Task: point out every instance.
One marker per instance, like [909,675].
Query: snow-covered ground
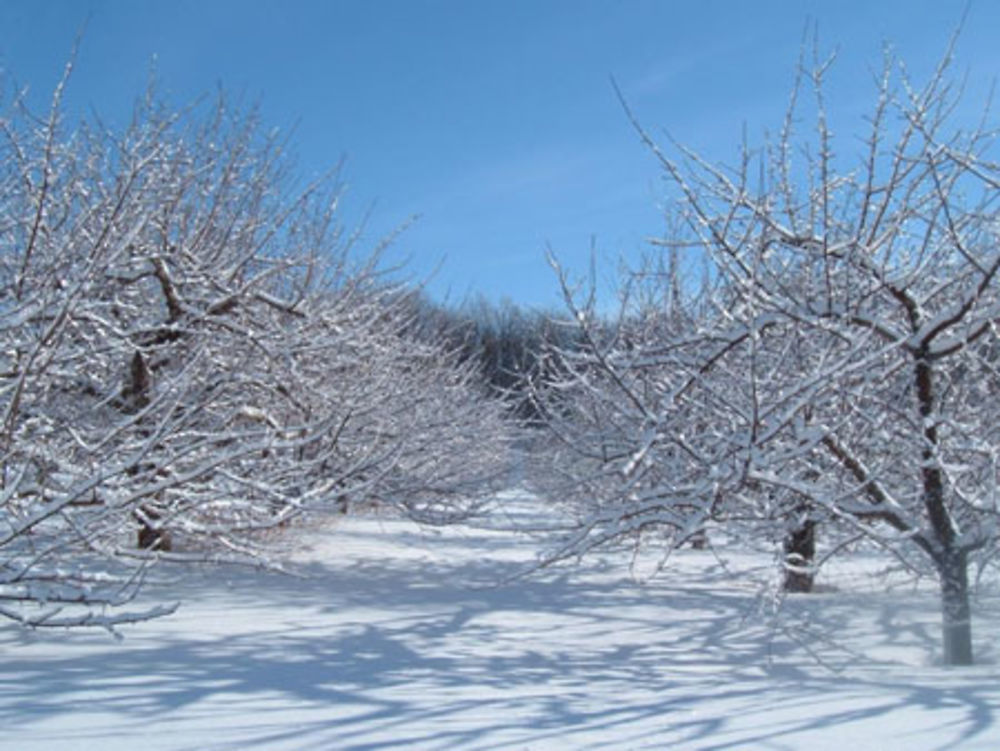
[400,638]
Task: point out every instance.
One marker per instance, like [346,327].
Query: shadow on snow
[390,654]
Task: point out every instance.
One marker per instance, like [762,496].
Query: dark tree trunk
[150,537]
[699,540]
[800,552]
[956,614]
[136,397]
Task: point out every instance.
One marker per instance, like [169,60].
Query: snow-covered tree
[843,367]
[636,453]
[192,351]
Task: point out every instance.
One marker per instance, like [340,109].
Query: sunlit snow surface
[403,638]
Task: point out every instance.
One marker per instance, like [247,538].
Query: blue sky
[495,122]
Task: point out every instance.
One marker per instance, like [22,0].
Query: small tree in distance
[841,367]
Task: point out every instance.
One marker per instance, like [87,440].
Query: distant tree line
[509,345]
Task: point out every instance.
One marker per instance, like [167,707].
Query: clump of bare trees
[192,351]
[836,364]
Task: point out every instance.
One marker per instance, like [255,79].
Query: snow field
[395,637]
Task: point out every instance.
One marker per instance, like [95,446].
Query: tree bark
[800,552]
[151,538]
[136,396]
[956,614]
[952,563]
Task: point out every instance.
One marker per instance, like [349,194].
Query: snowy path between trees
[399,639]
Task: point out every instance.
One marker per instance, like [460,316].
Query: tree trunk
[800,552]
[152,538]
[956,614]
